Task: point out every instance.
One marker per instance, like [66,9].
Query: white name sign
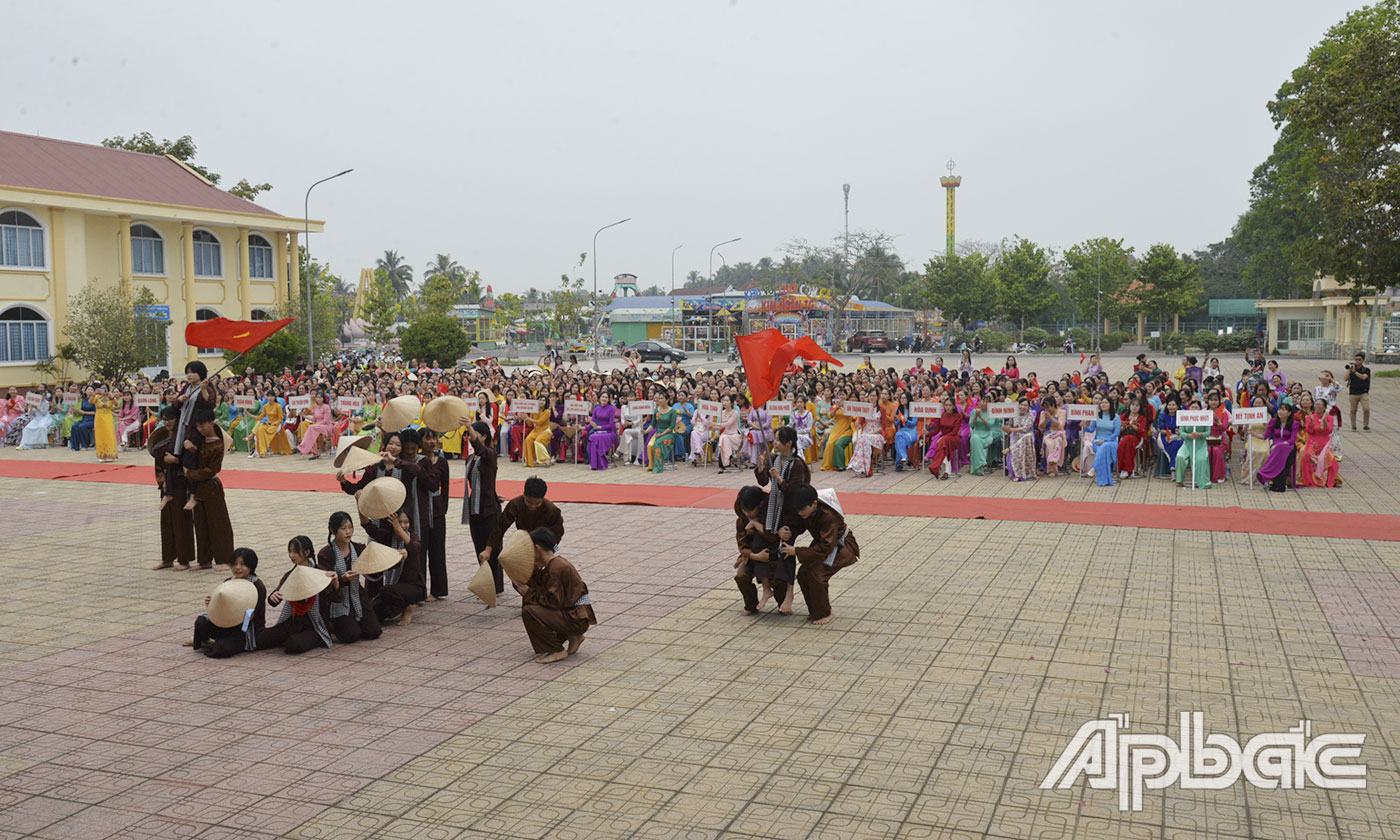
[578,408]
[145,400]
[33,398]
[1243,416]
[643,408]
[710,409]
[348,404]
[1002,410]
[1076,411]
[244,400]
[926,410]
[863,410]
[779,408]
[524,406]
[1193,418]
[299,401]
[71,399]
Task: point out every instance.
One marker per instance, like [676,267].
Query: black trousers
[347,630]
[1279,483]
[437,556]
[393,597]
[481,528]
[292,636]
[227,640]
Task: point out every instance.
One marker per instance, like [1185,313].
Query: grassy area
[1390,374]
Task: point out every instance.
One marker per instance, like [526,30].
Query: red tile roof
[43,163]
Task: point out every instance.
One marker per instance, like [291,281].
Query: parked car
[658,351]
[869,341]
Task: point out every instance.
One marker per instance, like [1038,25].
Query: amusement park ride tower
[950,183]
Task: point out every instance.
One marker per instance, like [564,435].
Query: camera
[1348,367]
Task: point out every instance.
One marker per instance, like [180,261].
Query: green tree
[400,273]
[1221,265]
[509,306]
[182,149]
[108,336]
[381,308]
[1339,121]
[571,306]
[1023,274]
[434,337]
[283,349]
[1101,264]
[1168,286]
[965,288]
[849,268]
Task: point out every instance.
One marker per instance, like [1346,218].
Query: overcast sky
[506,133]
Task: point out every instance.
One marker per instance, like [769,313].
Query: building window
[208,255]
[147,250]
[261,314]
[1306,330]
[205,314]
[24,335]
[259,258]
[21,240]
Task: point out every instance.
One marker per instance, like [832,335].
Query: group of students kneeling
[347,591]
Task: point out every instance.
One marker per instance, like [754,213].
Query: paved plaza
[964,656]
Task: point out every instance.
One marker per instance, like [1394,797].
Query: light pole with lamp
[306,273]
[680,321]
[597,312]
[709,332]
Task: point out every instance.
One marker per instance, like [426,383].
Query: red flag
[766,356]
[1082,357]
[238,336]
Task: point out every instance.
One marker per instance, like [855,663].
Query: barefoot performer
[833,548]
[555,606]
[526,512]
[749,507]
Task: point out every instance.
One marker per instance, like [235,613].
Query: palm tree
[465,285]
[399,273]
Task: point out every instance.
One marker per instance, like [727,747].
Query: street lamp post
[673,267]
[306,273]
[1098,297]
[680,322]
[597,313]
[709,331]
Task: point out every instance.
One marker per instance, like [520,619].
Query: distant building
[72,212]
[1329,323]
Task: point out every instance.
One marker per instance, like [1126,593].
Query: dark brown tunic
[176,523]
[212,529]
[829,534]
[518,514]
[550,607]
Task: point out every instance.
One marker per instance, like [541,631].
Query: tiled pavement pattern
[964,656]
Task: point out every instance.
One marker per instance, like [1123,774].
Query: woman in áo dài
[1193,454]
[266,428]
[1052,433]
[664,442]
[906,432]
[1134,431]
[1219,434]
[104,428]
[1317,465]
[318,428]
[947,444]
[842,427]
[1282,434]
[1022,455]
[1103,431]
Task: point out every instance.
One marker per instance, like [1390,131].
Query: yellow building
[1328,323]
[72,212]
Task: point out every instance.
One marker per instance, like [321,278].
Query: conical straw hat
[445,414]
[230,601]
[355,459]
[518,557]
[349,442]
[376,558]
[157,438]
[382,497]
[228,440]
[483,585]
[400,413]
[304,582]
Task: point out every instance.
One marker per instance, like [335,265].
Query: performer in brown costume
[555,605]
[176,524]
[833,548]
[212,530]
[526,512]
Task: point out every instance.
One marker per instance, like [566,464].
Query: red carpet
[1356,526]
